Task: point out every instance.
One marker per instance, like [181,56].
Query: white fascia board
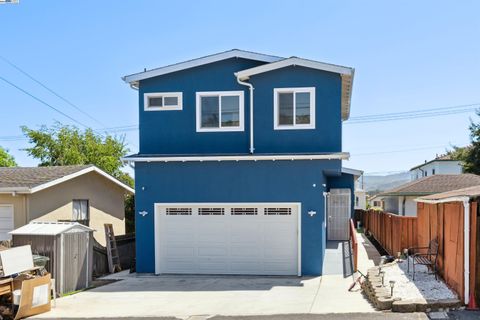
[133,78]
[245,74]
[79,173]
[20,190]
[354,172]
[330,156]
[450,199]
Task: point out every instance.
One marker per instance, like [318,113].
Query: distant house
[360,195]
[400,200]
[64,193]
[440,165]
[375,202]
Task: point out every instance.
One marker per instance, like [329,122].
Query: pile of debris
[25,285]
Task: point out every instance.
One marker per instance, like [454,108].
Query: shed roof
[470,192]
[50,228]
[434,184]
[33,179]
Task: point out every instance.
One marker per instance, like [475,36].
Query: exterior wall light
[312,213]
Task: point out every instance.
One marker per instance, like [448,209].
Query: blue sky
[408,55]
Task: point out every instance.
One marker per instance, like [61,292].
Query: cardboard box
[35,296]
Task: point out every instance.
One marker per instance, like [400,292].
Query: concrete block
[404,306]
[384,303]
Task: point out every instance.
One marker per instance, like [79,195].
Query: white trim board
[329,156]
[294,91]
[66,178]
[235,53]
[294,61]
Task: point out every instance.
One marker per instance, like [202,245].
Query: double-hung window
[294,108]
[220,111]
[162,101]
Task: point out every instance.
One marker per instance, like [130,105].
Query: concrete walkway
[186,296]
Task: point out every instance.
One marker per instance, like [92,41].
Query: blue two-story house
[239,152]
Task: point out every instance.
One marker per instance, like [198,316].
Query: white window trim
[311,125]
[178,95]
[220,94]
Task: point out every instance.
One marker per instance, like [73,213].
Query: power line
[51,90]
[43,102]
[396,151]
[414,114]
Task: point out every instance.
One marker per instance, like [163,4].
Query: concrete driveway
[185,296]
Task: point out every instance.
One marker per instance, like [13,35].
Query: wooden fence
[445,223]
[393,232]
[126,252]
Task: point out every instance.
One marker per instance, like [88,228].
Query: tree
[66,145]
[63,145]
[6,159]
[470,155]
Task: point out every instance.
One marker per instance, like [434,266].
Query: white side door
[6,221]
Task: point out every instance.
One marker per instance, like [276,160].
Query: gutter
[250,87]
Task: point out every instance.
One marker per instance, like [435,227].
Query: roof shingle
[30,177]
[434,184]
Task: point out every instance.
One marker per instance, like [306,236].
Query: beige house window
[81,211]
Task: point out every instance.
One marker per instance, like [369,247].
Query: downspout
[466,248]
[250,86]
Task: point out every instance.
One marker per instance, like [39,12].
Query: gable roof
[345,72]
[434,184]
[234,53]
[445,157]
[272,63]
[33,179]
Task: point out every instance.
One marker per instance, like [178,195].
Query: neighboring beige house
[401,200]
[64,193]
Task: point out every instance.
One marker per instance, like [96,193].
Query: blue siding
[327,135]
[261,181]
[174,132]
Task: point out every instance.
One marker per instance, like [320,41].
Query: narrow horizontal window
[294,108]
[220,111]
[278,211]
[163,101]
[211,211]
[244,211]
[178,211]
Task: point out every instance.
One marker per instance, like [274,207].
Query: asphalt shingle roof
[30,177]
[470,192]
[435,184]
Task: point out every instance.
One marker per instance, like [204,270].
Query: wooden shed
[69,245]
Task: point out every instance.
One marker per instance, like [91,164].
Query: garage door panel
[242,240]
[6,221]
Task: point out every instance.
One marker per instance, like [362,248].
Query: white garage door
[228,238]
[6,221]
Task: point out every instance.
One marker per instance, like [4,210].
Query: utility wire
[51,90]
[414,114]
[43,102]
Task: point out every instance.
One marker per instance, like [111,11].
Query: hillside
[375,183]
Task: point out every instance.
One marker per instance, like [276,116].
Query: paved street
[333,316]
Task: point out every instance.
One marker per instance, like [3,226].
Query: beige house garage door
[227,238]
[6,221]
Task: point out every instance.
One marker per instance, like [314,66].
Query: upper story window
[294,108]
[162,101]
[220,111]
